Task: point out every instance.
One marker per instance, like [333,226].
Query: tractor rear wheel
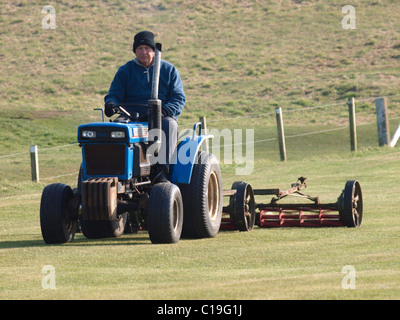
[202,199]
[56,219]
[165,213]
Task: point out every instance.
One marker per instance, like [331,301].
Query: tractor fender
[185,158]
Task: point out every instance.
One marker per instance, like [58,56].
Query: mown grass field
[239,60]
[285,263]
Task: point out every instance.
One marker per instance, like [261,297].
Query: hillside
[235,58]
[239,60]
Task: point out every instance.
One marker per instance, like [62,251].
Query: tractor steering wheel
[136,116]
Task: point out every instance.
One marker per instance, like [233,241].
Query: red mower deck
[243,212]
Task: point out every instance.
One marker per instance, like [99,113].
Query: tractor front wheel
[56,219]
[165,213]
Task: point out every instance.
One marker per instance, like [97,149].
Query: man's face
[145,55]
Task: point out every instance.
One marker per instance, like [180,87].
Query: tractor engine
[114,149]
[114,164]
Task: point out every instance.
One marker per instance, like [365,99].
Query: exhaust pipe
[154,104]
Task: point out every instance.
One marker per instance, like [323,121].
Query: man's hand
[164,112]
[110,109]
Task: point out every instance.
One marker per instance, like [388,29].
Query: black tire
[165,213]
[97,229]
[56,223]
[352,211]
[243,204]
[202,199]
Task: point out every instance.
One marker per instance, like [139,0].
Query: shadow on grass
[21,244]
[80,240]
[126,239]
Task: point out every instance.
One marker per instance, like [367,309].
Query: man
[132,86]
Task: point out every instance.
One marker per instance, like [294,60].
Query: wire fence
[55,162]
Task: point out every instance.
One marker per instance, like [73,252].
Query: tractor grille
[105,159]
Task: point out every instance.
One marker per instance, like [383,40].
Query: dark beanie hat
[144,38]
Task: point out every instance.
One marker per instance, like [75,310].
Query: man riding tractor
[132,85]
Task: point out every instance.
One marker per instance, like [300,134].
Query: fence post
[382,119]
[34,163]
[352,120]
[281,133]
[204,131]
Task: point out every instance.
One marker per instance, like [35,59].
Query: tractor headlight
[117,134]
[88,134]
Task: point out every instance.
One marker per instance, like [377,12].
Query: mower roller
[243,212]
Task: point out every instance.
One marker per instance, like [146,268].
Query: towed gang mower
[243,212]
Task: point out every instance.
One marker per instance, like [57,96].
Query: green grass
[238,61]
[286,263]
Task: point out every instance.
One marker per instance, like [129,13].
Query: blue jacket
[132,84]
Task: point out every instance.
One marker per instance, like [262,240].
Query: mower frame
[346,211]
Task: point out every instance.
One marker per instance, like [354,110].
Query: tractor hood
[113,132]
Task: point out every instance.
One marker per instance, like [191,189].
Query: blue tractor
[119,190]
